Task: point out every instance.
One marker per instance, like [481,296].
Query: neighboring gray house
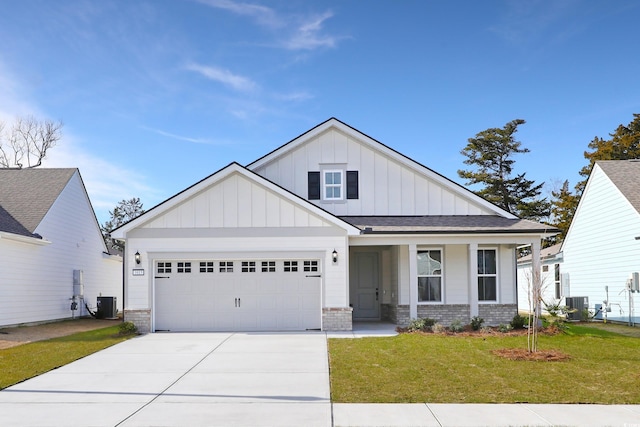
[330,228]
[48,229]
[601,249]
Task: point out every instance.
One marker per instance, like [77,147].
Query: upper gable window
[333,185]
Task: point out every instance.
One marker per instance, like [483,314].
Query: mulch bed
[538,356]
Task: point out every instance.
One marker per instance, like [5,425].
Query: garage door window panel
[206,267]
[164,267]
[226,266]
[184,267]
[268,266]
[248,267]
[290,266]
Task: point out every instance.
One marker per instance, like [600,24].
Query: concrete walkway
[246,379]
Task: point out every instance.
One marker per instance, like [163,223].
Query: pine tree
[563,207]
[125,211]
[623,145]
[491,152]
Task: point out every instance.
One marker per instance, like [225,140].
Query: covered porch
[396,276]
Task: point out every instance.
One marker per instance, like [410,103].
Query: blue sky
[156,95]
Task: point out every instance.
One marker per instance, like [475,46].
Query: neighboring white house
[330,228]
[48,229]
[550,278]
[601,250]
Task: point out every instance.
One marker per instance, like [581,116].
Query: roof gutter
[24,239]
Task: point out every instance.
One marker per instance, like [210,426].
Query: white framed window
[429,275]
[268,266]
[556,281]
[290,266]
[487,275]
[184,267]
[206,267]
[164,267]
[226,266]
[248,267]
[310,266]
[333,184]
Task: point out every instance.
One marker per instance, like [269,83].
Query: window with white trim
[429,275]
[556,281]
[164,267]
[332,184]
[268,266]
[310,266]
[290,266]
[206,267]
[184,267]
[226,267]
[487,275]
[248,266]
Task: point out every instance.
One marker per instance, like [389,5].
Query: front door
[365,288]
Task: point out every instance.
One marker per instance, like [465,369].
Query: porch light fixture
[137,255]
[334,256]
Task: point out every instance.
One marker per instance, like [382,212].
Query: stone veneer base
[337,319]
[140,318]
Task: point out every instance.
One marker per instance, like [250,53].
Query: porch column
[536,282]
[413,281]
[473,279]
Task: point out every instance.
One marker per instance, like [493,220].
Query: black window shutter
[352,184]
[313,182]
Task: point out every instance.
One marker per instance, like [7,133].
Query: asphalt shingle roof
[446,224]
[26,195]
[625,174]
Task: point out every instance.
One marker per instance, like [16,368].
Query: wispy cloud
[308,35]
[223,76]
[263,15]
[184,138]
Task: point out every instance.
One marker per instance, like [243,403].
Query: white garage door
[237,295]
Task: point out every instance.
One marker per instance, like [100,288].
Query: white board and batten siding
[600,248]
[388,185]
[37,280]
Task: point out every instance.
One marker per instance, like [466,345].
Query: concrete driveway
[199,379]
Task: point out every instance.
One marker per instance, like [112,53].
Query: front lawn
[28,360]
[604,368]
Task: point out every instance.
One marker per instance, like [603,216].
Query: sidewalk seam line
[434,415]
[174,382]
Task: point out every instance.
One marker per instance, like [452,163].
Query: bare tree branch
[26,143]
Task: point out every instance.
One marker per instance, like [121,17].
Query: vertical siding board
[216,206]
[258,206]
[381,180]
[394,173]
[230,203]
[273,210]
[244,200]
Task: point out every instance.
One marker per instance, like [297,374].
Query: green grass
[604,368]
[29,360]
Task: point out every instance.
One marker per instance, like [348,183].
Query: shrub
[518,322]
[456,326]
[422,324]
[504,328]
[476,323]
[438,328]
[127,328]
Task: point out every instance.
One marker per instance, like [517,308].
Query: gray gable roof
[446,224]
[625,174]
[26,195]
